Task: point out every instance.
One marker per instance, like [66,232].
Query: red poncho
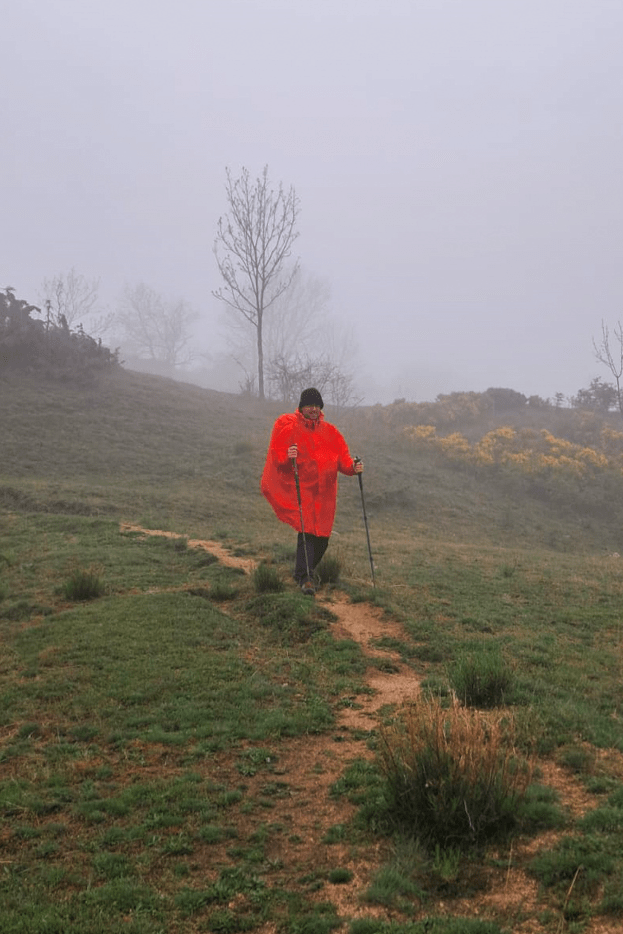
[322,452]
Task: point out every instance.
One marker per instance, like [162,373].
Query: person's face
[311,411]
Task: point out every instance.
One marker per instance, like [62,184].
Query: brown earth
[312,764]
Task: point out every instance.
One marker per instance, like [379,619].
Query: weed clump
[221,591]
[83,585]
[450,774]
[266,579]
[482,680]
[329,569]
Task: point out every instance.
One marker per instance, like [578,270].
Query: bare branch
[156,329]
[74,299]
[612,358]
[251,247]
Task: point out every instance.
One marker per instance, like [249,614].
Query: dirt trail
[357,621]
[310,765]
[215,548]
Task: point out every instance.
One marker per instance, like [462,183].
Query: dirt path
[310,765]
[357,621]
[215,548]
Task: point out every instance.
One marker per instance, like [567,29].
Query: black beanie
[310,397]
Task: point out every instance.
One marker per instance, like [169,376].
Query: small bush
[221,592]
[266,579]
[329,569]
[482,680]
[83,585]
[541,810]
[577,759]
[451,778]
[390,887]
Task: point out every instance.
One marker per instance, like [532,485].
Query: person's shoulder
[288,418]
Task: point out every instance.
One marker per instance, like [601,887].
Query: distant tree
[47,348]
[506,400]
[299,319]
[600,397]
[612,357]
[289,375]
[73,298]
[537,402]
[252,244]
[156,329]
[301,346]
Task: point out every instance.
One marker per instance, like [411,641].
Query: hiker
[304,444]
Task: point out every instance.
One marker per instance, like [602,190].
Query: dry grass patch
[452,774]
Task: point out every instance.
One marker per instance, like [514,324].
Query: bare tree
[290,330]
[305,346]
[252,245]
[302,346]
[72,299]
[300,318]
[288,376]
[612,358]
[156,329]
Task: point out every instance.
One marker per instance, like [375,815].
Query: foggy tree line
[277,320]
[277,317]
[42,343]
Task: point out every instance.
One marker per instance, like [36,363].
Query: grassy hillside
[173,754]
[156,450]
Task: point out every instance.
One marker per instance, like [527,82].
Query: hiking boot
[307,587]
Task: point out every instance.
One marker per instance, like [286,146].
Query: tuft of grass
[83,585]
[578,863]
[577,759]
[221,591]
[266,579]
[394,889]
[481,680]
[540,809]
[329,569]
[451,775]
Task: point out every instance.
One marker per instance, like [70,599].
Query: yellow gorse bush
[530,451]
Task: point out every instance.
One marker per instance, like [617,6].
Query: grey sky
[458,164]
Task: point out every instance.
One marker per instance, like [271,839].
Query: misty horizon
[458,169]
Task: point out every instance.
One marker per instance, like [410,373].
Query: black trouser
[316,547]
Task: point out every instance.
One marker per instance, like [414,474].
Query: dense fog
[457,165]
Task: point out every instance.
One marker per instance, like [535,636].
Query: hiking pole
[298,496]
[365,522]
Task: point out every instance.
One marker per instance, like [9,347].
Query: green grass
[149,695]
